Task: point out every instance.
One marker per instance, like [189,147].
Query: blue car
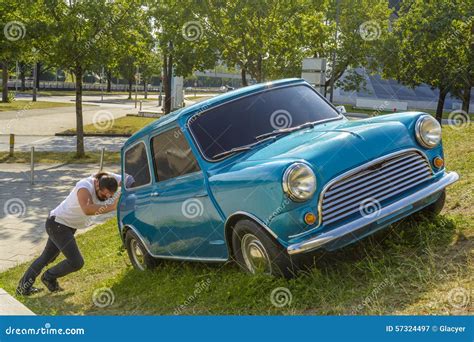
[270,172]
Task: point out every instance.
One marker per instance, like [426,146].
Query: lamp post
[35,75]
[137,78]
[333,63]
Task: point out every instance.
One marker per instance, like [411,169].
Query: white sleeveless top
[70,213]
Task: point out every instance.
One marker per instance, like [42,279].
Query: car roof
[208,104]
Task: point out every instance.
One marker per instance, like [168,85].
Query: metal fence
[53,85]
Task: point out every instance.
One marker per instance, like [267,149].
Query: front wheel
[435,208]
[258,253]
[139,256]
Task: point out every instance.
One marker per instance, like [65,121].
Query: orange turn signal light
[309,218]
[438,162]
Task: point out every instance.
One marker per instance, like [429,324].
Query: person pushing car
[94,195]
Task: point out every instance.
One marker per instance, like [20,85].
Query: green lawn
[198,98]
[122,125]
[412,267]
[60,157]
[27,105]
[73,92]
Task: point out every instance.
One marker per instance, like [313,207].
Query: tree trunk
[259,69]
[243,74]
[439,109]
[38,74]
[109,81]
[168,66]
[35,78]
[4,81]
[130,82]
[466,98]
[79,124]
[22,76]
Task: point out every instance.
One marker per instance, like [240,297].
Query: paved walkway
[24,207]
[49,121]
[53,120]
[61,144]
[10,306]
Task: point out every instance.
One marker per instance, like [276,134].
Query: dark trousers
[61,240]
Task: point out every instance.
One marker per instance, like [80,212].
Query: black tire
[435,208]
[133,244]
[278,263]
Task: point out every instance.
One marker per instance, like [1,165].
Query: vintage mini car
[267,172]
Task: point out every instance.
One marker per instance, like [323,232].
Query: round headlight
[428,131]
[299,182]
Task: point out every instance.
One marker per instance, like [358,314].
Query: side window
[172,155]
[136,166]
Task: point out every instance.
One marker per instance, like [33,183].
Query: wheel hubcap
[137,254]
[255,255]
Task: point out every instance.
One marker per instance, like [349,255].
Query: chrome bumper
[351,227]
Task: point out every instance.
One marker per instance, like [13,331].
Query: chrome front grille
[373,183]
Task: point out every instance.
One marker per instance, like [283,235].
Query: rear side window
[136,166]
[172,155]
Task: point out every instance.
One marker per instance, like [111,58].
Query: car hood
[335,147]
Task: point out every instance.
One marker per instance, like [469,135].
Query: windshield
[240,122]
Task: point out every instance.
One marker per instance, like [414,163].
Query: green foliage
[354,31]
[431,42]
[178,30]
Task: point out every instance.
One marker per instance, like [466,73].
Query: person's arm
[89,208]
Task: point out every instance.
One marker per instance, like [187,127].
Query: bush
[11,96]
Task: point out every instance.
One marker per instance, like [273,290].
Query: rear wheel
[139,256]
[258,253]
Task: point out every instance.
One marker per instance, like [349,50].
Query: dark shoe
[28,291]
[51,283]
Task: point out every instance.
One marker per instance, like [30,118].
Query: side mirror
[341,109]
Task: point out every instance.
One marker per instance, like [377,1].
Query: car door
[135,204]
[187,224]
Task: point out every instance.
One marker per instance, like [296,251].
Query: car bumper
[385,216]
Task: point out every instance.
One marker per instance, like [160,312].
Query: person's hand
[116,200]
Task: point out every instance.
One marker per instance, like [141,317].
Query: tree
[423,48]
[354,30]
[76,35]
[12,40]
[135,49]
[184,45]
[149,67]
[463,40]
[263,38]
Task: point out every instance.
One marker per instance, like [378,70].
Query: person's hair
[106,181]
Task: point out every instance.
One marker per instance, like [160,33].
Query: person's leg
[49,254]
[63,238]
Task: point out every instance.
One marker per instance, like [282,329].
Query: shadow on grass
[383,274]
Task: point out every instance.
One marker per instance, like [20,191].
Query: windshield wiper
[285,130]
[240,148]
[233,150]
[262,137]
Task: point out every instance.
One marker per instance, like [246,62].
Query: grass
[198,98]
[354,109]
[73,92]
[412,267]
[27,105]
[93,92]
[122,125]
[60,157]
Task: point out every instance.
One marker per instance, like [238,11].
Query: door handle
[201,195]
[155,194]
